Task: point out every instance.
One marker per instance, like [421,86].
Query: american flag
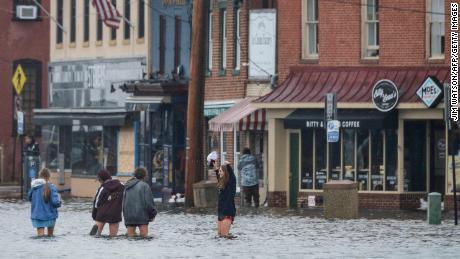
[107,13]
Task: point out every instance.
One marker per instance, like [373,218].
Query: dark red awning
[351,84]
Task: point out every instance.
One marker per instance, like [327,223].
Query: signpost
[332,125]
[452,153]
[19,79]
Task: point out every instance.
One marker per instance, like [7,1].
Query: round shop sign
[385,95]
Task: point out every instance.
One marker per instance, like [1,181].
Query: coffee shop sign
[385,95]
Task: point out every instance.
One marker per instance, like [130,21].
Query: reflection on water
[264,233]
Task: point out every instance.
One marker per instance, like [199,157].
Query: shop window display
[307,160]
[320,158]
[362,155]
[349,154]
[377,166]
[50,141]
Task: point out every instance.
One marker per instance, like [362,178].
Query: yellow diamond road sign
[19,79]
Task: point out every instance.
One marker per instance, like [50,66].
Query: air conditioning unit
[26,12]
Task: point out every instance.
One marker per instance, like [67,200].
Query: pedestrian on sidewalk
[32,154]
[226,184]
[249,179]
[138,204]
[107,203]
[45,201]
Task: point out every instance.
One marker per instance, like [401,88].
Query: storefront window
[65,145]
[50,142]
[362,154]
[349,154]
[307,160]
[391,159]
[334,156]
[415,156]
[93,149]
[378,170]
[320,158]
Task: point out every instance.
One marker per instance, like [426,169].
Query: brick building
[379,58]
[26,43]
[229,87]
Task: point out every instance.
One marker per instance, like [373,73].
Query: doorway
[437,157]
[294,153]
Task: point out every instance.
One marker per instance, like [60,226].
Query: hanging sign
[385,95]
[430,92]
[20,121]
[333,127]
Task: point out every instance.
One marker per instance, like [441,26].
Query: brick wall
[277,199]
[19,40]
[402,34]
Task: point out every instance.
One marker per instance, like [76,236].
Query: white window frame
[306,54]
[365,30]
[238,40]
[429,22]
[210,41]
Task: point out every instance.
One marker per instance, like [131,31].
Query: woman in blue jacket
[226,204]
[45,201]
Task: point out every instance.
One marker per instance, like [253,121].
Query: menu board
[377,182]
[363,179]
[320,179]
[392,183]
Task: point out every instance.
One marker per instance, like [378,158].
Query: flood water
[262,234]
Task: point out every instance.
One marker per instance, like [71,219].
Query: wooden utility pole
[194,162]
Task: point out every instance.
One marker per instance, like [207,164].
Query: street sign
[333,127]
[19,79]
[330,109]
[20,123]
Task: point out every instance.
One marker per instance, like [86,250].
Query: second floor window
[210,40]
[127,13]
[223,38]
[113,31]
[99,29]
[73,19]
[141,20]
[436,19]
[59,17]
[237,39]
[371,29]
[86,22]
[310,29]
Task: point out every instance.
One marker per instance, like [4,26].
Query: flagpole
[50,16]
[126,20]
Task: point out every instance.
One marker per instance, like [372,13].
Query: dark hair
[104,175]
[222,181]
[45,174]
[140,173]
[246,151]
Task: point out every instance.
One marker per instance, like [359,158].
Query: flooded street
[176,234]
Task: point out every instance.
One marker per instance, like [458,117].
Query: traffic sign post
[332,125]
[20,128]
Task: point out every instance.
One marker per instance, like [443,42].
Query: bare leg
[100,227]
[50,232]
[144,230]
[225,227]
[113,229]
[131,231]
[219,228]
[40,232]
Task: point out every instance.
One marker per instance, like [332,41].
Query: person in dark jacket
[138,205]
[226,203]
[45,201]
[107,203]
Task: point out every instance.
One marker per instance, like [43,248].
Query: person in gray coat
[138,205]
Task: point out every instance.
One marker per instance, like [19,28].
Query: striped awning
[241,116]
